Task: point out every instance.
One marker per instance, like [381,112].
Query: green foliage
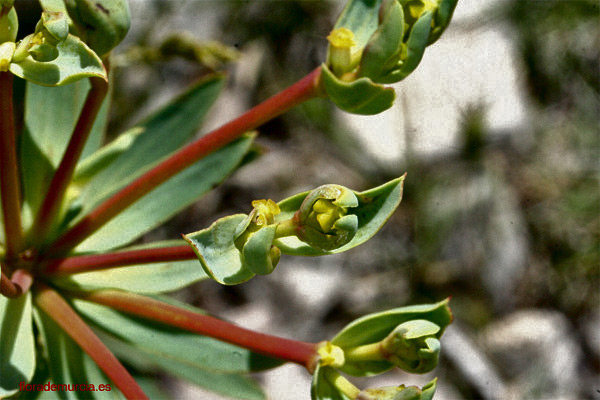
[406,337]
[379,42]
[74,60]
[72,42]
[17,344]
[293,229]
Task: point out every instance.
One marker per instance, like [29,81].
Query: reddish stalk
[93,262]
[10,187]
[71,323]
[60,181]
[301,91]
[8,287]
[23,279]
[302,353]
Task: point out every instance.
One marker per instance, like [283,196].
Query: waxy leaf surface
[17,349]
[75,61]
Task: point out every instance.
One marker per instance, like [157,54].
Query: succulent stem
[93,262]
[10,187]
[50,208]
[302,353]
[71,323]
[301,91]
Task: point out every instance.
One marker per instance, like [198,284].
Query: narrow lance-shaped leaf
[49,123]
[69,365]
[17,347]
[204,361]
[144,278]
[162,341]
[169,198]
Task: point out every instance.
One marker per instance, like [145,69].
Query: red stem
[302,353]
[8,288]
[10,187]
[93,262]
[298,93]
[58,186]
[61,312]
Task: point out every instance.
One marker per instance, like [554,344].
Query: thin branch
[10,186]
[93,262]
[301,91]
[23,279]
[51,205]
[302,353]
[71,323]
[8,288]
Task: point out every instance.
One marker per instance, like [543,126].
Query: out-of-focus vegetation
[503,225]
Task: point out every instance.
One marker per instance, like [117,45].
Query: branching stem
[301,91]
[93,262]
[71,323]
[302,353]
[51,205]
[10,187]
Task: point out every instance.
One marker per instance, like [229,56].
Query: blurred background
[498,130]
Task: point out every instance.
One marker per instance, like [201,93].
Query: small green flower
[322,219]
[413,346]
[376,43]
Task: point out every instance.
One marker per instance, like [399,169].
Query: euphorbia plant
[71,209]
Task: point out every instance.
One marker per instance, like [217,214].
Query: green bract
[406,337]
[102,25]
[327,220]
[9,24]
[379,42]
[405,331]
[74,61]
[399,392]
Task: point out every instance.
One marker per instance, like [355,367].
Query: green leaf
[375,327]
[382,51]
[147,143]
[169,198]
[102,158]
[217,253]
[145,278]
[442,19]
[375,207]
[142,148]
[165,342]
[362,18]
[103,25]
[50,117]
[230,385]
[361,96]
[75,61]
[55,18]
[69,365]
[17,347]
[415,48]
